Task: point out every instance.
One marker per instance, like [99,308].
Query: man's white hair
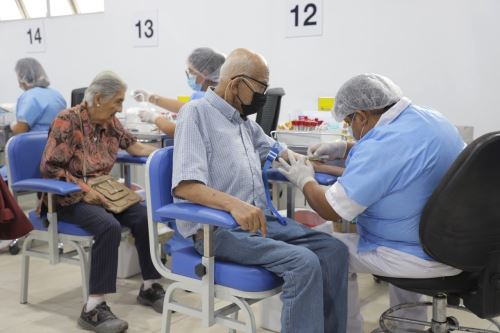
[106,83]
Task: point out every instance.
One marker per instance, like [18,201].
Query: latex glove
[149,116]
[141,95]
[299,172]
[328,150]
[12,125]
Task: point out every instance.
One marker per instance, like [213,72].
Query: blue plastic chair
[24,153]
[238,285]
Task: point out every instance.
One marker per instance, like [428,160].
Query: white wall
[444,54]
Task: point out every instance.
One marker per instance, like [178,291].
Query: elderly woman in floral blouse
[92,125]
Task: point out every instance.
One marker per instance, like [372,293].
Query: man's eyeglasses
[265,85]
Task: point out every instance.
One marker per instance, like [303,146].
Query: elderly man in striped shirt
[217,163]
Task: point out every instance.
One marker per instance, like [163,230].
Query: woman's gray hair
[107,84]
[31,73]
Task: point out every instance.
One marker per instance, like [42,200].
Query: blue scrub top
[38,107]
[393,171]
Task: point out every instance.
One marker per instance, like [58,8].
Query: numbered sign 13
[145,29]
[304,18]
[34,36]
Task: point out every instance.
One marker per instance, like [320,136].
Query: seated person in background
[92,125]
[217,163]
[39,104]
[402,153]
[202,72]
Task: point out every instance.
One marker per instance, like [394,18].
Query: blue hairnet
[31,73]
[207,61]
[365,92]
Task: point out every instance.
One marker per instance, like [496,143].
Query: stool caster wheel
[14,249]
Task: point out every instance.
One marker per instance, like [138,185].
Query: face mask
[256,105]
[351,133]
[349,129]
[191,81]
[258,99]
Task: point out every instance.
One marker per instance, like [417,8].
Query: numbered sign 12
[304,18]
[145,29]
[34,36]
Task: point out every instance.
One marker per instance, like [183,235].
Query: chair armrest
[124,157]
[321,178]
[197,214]
[46,185]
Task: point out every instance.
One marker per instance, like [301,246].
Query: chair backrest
[77,96]
[159,168]
[460,224]
[24,154]
[268,117]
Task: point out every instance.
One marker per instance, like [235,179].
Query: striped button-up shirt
[215,146]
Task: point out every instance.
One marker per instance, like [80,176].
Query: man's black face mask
[258,99]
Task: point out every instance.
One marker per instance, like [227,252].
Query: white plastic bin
[304,139]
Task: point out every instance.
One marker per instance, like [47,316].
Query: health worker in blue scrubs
[38,105]
[203,66]
[401,154]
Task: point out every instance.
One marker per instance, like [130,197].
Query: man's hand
[249,217]
[331,150]
[92,197]
[149,116]
[299,172]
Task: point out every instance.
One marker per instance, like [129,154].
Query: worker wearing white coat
[401,154]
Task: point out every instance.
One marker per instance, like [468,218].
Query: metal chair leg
[235,317]
[84,268]
[166,319]
[25,270]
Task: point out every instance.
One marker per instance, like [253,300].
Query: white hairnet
[365,92]
[31,73]
[207,61]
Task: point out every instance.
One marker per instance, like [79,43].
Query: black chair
[267,118]
[77,96]
[460,226]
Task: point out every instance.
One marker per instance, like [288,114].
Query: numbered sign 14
[304,18]
[145,29]
[34,36]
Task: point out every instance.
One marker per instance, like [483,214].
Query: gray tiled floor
[55,301]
